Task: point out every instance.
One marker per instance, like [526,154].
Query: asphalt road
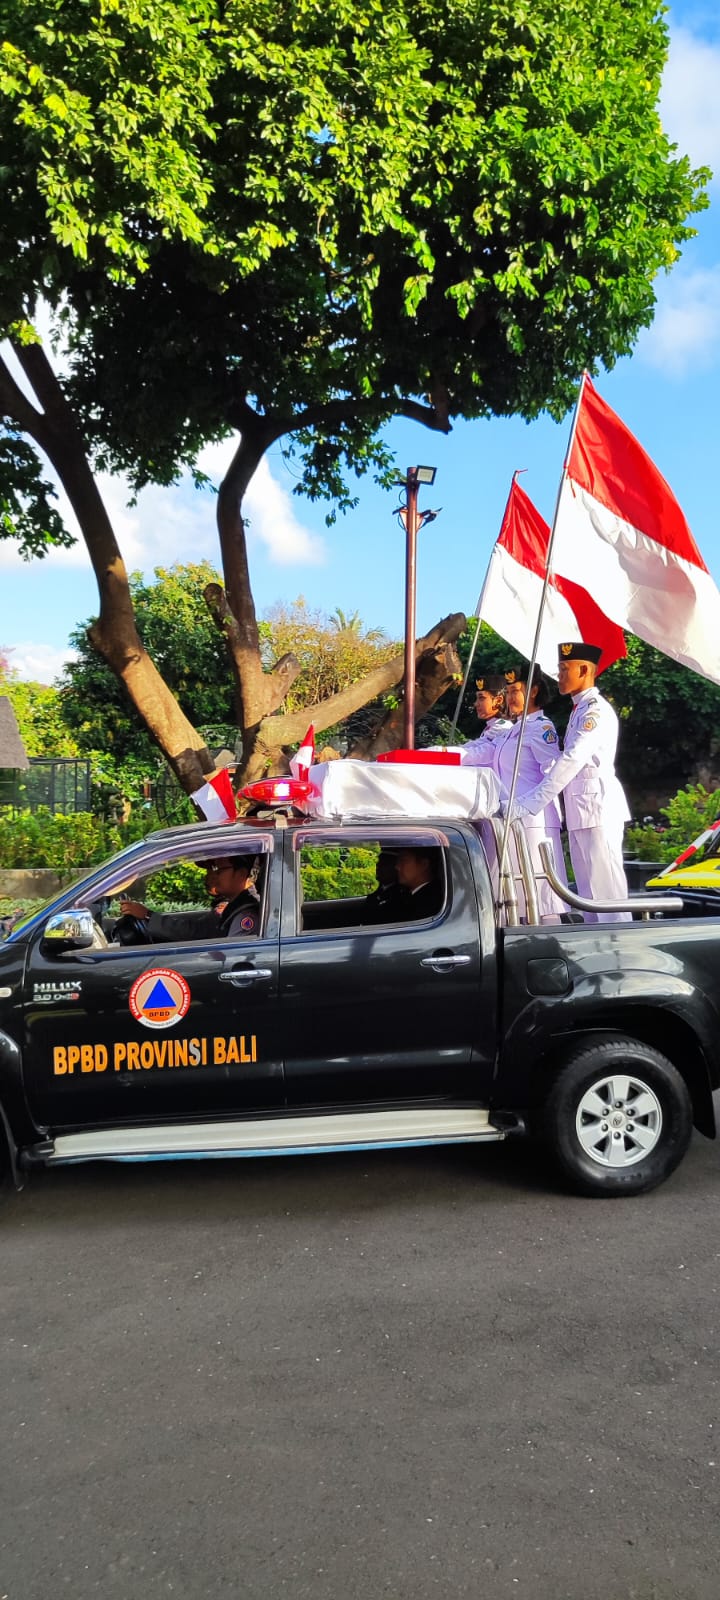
[408,1374]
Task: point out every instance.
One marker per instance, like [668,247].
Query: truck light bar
[281,792]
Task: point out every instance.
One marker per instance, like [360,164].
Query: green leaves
[327,210]
[27,510]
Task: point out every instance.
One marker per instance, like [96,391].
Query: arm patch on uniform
[589,724]
[247,924]
[550,736]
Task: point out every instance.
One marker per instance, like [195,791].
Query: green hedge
[342,873]
[45,838]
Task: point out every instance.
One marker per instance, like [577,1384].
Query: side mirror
[68,930]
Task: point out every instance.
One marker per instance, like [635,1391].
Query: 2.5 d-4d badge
[159,998]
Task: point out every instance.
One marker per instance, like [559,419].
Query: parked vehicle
[695,873]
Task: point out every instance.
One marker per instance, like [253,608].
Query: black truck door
[154,1032]
[385,1013]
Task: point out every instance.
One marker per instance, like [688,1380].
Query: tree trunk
[114,635]
[436,671]
[257,693]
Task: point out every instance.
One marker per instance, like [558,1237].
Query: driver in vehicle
[228,880]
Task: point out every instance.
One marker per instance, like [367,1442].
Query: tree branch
[427,415]
[16,405]
[44,380]
[333,413]
[275,731]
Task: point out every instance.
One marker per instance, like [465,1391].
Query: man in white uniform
[595,806]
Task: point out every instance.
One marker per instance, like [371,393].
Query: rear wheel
[618,1117]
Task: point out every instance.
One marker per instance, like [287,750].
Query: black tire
[644,1149]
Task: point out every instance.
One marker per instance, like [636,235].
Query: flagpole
[468,669]
[538,628]
[473,647]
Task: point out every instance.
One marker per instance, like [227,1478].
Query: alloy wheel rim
[619,1121]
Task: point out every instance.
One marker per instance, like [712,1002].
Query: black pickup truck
[323,1030]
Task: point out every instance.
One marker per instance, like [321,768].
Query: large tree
[263,223]
[177,630]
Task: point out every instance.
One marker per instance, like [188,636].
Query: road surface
[407,1374]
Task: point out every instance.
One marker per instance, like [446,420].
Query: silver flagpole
[468,669]
[473,648]
[538,627]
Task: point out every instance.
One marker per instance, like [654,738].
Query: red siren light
[280,792]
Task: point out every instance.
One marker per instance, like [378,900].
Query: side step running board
[354,1130]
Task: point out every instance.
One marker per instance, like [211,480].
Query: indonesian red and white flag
[216,799]
[621,533]
[303,758]
[512,593]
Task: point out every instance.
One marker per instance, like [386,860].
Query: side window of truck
[367,883]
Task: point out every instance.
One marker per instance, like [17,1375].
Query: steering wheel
[131,930]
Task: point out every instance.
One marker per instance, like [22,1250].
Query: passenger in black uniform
[384,903]
[228,881]
[418,873]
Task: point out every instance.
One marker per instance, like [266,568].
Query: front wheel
[618,1117]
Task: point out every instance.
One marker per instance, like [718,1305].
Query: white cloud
[686,331]
[270,510]
[38,663]
[274,523]
[178,524]
[690,102]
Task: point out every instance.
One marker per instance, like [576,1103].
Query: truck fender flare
[9,1150]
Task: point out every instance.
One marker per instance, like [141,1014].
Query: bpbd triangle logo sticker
[159,998]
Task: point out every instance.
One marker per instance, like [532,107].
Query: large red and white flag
[621,533]
[512,592]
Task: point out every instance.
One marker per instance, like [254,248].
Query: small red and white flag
[216,799]
[512,592]
[621,534]
[303,758]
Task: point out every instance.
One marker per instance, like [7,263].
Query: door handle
[240,976]
[444,963]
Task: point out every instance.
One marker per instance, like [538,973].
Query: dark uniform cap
[580,652]
[492,683]
[539,681]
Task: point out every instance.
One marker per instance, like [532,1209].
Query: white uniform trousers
[596,855]
[550,907]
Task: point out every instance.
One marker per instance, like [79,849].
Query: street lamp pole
[412,521]
[411,530]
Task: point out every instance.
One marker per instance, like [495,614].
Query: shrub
[644,844]
[45,838]
[180,885]
[690,811]
[343,873]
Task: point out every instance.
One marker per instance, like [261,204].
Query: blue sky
[667,392]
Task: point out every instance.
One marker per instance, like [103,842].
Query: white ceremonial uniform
[484,751]
[539,752]
[595,806]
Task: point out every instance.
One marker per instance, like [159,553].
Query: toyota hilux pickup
[327,1030]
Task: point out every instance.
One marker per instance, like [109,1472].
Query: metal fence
[62,783]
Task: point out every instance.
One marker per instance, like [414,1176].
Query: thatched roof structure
[12,753]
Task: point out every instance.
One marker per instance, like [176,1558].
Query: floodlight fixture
[425,474]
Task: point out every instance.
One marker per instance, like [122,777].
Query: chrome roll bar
[647,905]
